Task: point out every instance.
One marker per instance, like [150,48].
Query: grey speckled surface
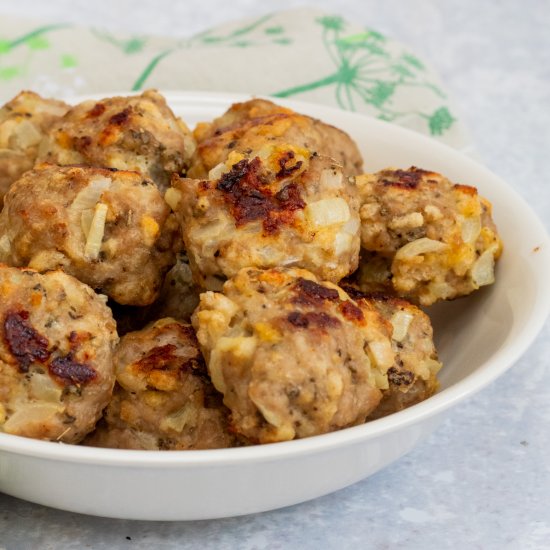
[482,481]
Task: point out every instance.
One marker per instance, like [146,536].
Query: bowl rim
[496,365]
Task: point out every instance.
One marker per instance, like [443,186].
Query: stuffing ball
[163,399]
[284,207]
[23,123]
[110,229]
[246,127]
[178,298]
[179,295]
[56,363]
[138,133]
[293,357]
[413,376]
[423,237]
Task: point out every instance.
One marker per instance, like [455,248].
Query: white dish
[478,338]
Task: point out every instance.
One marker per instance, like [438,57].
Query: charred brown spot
[82,142]
[70,371]
[251,199]
[399,377]
[312,293]
[351,312]
[286,169]
[466,189]
[165,358]
[97,110]
[24,342]
[405,179]
[352,291]
[312,319]
[120,118]
[158,358]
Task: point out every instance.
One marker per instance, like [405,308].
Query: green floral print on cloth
[300,54]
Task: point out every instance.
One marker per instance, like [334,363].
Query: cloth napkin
[300,54]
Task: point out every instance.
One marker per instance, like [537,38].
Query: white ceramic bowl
[478,338]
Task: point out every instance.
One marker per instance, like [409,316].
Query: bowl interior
[477,337]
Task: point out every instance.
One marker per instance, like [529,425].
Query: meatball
[163,398]
[23,123]
[412,378]
[178,298]
[110,229]
[137,133]
[179,295]
[294,357]
[56,363]
[246,127]
[282,208]
[423,237]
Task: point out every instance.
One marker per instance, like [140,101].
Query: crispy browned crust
[56,343]
[247,126]
[453,223]
[133,133]
[163,398]
[292,355]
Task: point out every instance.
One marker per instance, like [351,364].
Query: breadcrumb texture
[423,237]
[163,399]
[293,356]
[413,376]
[284,207]
[110,229]
[56,355]
[138,133]
[24,121]
[246,127]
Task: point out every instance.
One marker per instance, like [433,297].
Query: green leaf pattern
[367,71]
[356,69]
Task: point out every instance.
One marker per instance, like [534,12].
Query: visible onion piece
[172,197]
[90,195]
[331,179]
[96,232]
[217,172]
[381,354]
[86,220]
[186,416]
[342,243]
[26,134]
[5,245]
[43,388]
[418,247]
[327,212]
[34,413]
[471,227]
[400,321]
[352,226]
[483,270]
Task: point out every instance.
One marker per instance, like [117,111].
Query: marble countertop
[482,480]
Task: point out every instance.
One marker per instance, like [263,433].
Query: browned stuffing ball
[413,377]
[110,229]
[128,133]
[163,399]
[284,207]
[23,123]
[246,127]
[423,237]
[56,364]
[178,298]
[293,356]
